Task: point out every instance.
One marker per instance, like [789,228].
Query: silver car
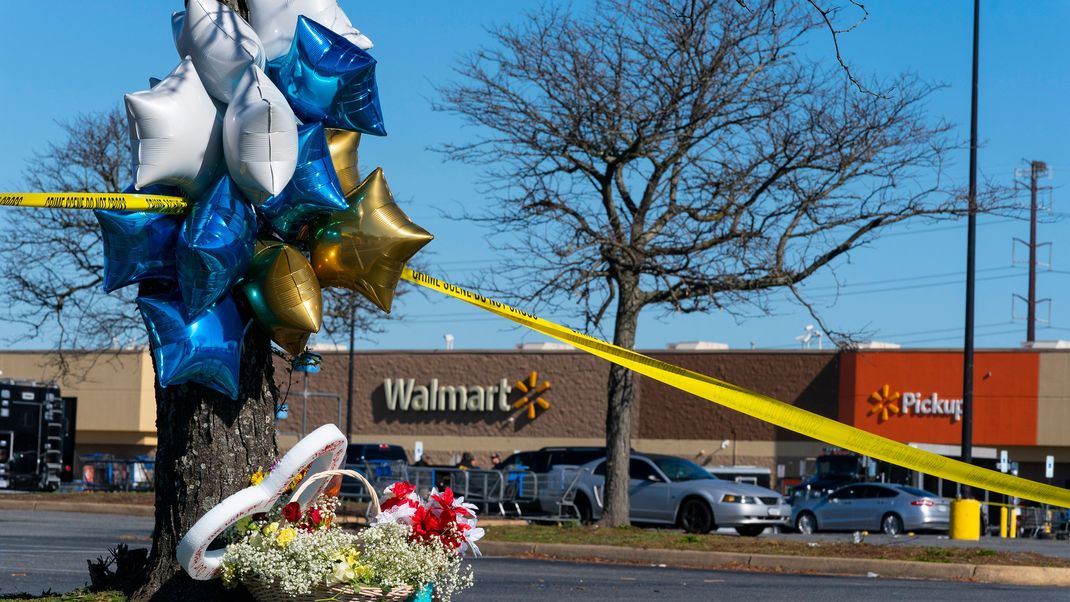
[872,506]
[674,491]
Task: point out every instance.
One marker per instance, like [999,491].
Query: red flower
[292,512]
[402,489]
[315,516]
[445,499]
[397,501]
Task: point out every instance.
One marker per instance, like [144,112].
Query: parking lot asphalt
[48,550]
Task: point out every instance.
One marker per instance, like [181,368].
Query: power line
[904,278]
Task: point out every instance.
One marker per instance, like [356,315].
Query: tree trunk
[208,446]
[619,413]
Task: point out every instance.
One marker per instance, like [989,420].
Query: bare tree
[683,155]
[53,259]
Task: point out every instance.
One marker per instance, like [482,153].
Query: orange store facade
[917,396]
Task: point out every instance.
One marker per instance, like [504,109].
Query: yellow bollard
[1014,523]
[1003,522]
[966,519]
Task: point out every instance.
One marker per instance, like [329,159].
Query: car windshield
[837,466]
[374,453]
[678,469]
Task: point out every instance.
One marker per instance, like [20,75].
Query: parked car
[872,506]
[359,453]
[674,491]
[374,460]
[539,494]
[543,460]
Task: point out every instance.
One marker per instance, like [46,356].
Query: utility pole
[971,262]
[1037,170]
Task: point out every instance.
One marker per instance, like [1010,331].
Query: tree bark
[619,411]
[208,446]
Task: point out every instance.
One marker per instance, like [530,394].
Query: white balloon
[177,19]
[323,449]
[176,132]
[221,44]
[259,137]
[276,21]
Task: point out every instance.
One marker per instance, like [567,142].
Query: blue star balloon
[205,350]
[138,246]
[215,246]
[313,190]
[326,78]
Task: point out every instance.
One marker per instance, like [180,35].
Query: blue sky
[67,56]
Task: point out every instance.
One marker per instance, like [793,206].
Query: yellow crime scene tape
[763,407]
[153,203]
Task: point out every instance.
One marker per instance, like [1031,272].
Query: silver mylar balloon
[176,133]
[276,20]
[221,45]
[260,137]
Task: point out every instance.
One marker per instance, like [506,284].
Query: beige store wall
[116,400]
[1053,399]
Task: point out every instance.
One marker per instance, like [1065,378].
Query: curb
[893,569]
[84,507]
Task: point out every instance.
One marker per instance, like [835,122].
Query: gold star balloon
[365,248]
[343,144]
[284,294]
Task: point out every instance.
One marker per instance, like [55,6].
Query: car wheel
[750,530]
[583,509]
[806,523]
[891,524]
[696,516]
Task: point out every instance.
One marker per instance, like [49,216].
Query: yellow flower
[285,537]
[296,480]
[257,477]
[270,528]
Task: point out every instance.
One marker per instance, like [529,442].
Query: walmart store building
[456,401]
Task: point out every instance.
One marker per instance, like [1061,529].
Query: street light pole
[971,257]
[349,389]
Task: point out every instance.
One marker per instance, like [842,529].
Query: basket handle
[307,482]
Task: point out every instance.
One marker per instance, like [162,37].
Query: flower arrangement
[413,544]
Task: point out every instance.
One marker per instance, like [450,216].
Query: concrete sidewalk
[900,569]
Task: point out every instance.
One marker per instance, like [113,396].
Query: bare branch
[835,33]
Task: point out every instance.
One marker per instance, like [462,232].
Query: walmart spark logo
[532,390]
[885,403]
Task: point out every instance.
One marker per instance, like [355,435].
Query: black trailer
[32,429]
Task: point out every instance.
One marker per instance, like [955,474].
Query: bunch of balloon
[257,128]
